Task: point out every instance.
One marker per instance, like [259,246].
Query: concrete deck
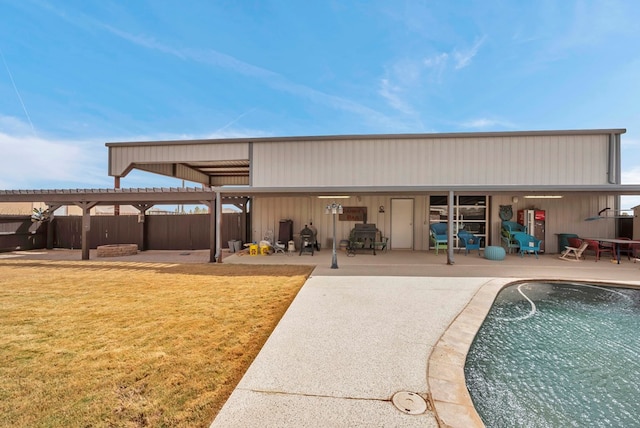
[377,325]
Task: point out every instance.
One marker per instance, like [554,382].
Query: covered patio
[390,263]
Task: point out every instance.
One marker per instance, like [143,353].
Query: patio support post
[217,212]
[51,208]
[450,260]
[334,209]
[86,226]
[142,225]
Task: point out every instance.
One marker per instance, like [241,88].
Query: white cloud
[437,65]
[273,79]
[393,94]
[35,162]
[483,123]
[463,57]
[404,78]
[211,57]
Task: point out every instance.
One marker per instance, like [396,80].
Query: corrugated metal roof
[375,136]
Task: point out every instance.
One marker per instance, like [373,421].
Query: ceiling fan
[600,216]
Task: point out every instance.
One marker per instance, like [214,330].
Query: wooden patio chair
[574,251]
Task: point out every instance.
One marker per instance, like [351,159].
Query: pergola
[141,199]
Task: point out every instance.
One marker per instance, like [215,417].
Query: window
[469,213]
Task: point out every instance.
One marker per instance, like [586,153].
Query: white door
[401,224]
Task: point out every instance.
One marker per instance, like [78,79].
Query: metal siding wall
[543,160]
[267,213]
[566,215]
[122,157]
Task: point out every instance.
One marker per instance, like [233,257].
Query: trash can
[563,240]
[235,246]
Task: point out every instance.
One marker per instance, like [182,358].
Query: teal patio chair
[506,235]
[469,241]
[438,236]
[527,243]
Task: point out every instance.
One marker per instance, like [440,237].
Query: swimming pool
[558,355]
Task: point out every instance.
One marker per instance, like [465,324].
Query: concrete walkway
[342,350]
[355,336]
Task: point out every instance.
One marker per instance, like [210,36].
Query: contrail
[18,94]
[234,120]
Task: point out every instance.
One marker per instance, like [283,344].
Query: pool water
[558,355]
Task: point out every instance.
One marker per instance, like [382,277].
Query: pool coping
[450,400]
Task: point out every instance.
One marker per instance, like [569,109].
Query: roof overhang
[615,190]
[235,194]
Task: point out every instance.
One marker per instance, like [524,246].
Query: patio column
[86,226]
[217,212]
[51,208]
[450,260]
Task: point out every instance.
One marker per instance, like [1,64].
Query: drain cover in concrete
[409,402]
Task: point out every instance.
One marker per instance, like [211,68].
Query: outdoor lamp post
[334,209]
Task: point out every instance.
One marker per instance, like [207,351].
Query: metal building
[401,183]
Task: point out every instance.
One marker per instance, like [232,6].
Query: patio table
[616,243]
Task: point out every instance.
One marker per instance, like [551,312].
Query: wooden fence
[20,233]
[162,232]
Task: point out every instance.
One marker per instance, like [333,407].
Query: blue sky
[75,74]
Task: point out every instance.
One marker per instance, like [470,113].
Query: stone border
[117,250]
[450,399]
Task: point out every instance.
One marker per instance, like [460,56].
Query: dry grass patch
[131,344]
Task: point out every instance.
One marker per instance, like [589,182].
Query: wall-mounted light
[514,199]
